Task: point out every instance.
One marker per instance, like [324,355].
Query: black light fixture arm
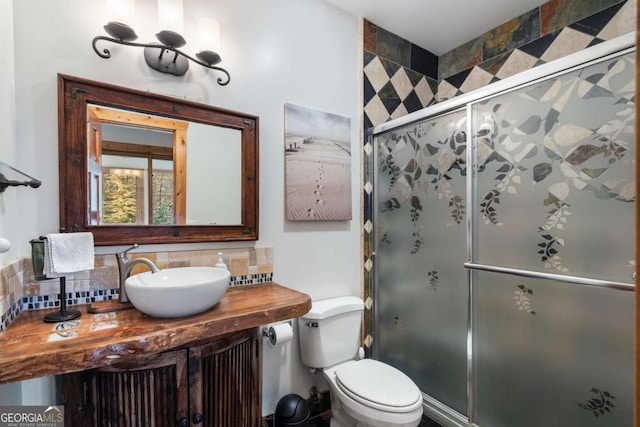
[5,183]
[106,54]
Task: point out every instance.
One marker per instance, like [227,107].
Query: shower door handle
[550,276]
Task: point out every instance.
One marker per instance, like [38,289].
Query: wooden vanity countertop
[31,348]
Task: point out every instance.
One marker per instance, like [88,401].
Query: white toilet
[364,393]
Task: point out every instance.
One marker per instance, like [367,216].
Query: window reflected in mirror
[127,197]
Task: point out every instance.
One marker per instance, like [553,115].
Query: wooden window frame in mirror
[74,96]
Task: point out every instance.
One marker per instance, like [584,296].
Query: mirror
[147,168]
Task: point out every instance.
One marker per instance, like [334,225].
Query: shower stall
[504,246]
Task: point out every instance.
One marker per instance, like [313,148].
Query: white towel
[66,253]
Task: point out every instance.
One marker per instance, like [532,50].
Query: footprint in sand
[320,202]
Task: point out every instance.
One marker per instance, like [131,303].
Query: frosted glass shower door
[555,198]
[422,299]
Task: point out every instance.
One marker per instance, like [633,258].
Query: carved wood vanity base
[30,348]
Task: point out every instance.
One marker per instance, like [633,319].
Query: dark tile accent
[537,48]
[433,84]
[251,279]
[390,67]
[389,97]
[424,61]
[368,57]
[538,63]
[595,41]
[414,76]
[596,22]
[369,36]
[367,206]
[369,91]
[458,79]
[512,34]
[606,3]
[393,47]
[557,14]
[367,122]
[463,57]
[412,102]
[494,64]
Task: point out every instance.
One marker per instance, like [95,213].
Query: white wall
[299,51]
[9,146]
[10,394]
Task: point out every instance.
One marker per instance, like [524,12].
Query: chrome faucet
[125,265]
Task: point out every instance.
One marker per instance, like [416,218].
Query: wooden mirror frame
[74,95]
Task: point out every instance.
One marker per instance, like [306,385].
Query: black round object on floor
[292,411]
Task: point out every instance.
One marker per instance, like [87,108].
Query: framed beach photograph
[317,149]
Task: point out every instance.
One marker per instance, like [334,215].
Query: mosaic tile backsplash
[19,290]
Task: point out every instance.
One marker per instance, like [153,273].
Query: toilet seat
[378,386]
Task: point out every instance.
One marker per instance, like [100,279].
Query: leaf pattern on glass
[433,279]
[397,322]
[421,161]
[541,171]
[416,208]
[457,209]
[529,127]
[600,404]
[554,148]
[583,153]
[549,252]
[385,238]
[487,208]
[393,169]
[418,242]
[390,205]
[523,300]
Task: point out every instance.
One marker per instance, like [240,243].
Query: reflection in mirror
[213,167]
[147,168]
[153,170]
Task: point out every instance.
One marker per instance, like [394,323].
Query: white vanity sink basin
[177,292]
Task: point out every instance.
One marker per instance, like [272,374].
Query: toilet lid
[377,384]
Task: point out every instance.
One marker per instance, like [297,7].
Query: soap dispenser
[220,263]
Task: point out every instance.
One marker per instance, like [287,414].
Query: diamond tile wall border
[399,78]
[527,52]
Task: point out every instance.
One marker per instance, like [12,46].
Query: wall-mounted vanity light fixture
[165,56]
[4,182]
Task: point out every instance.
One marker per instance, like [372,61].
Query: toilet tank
[330,331]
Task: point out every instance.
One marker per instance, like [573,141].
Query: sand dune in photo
[318,177]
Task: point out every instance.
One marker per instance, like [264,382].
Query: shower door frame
[595,54]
